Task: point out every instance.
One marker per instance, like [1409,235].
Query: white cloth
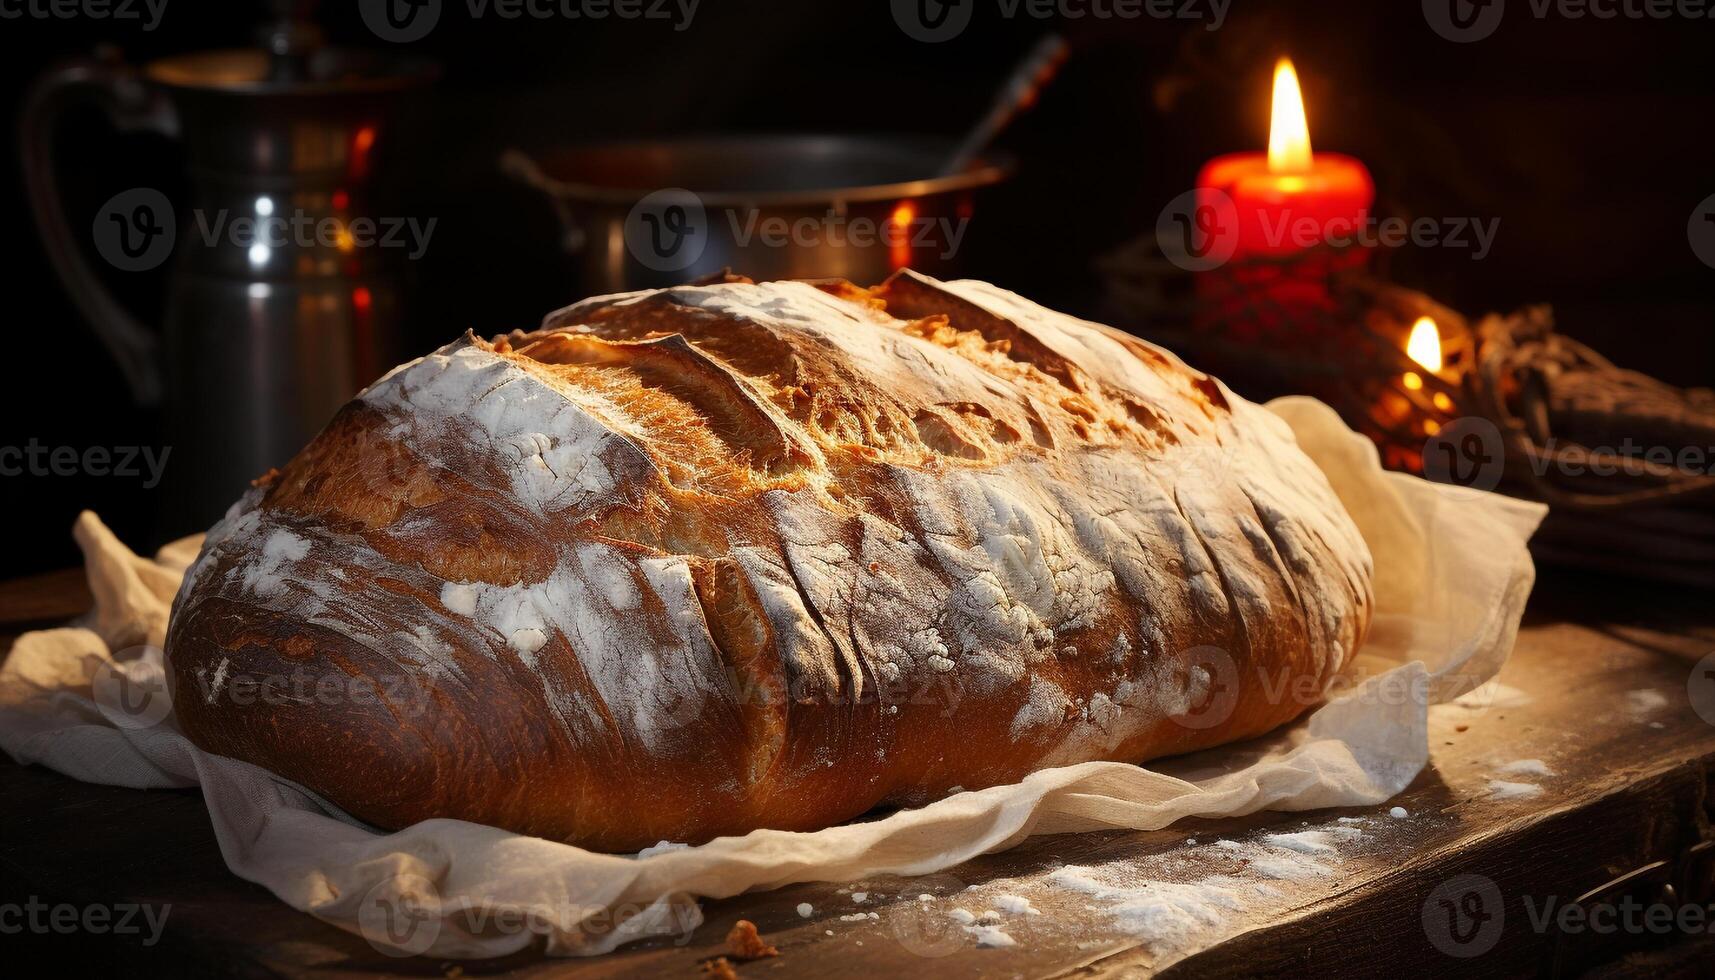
[1452,576]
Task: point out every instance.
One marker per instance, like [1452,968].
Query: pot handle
[132,105]
[520,167]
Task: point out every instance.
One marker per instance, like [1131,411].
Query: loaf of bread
[689,562]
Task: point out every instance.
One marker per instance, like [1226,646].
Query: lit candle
[1287,201]
[1407,410]
[1423,345]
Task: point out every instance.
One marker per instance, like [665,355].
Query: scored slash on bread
[688,562]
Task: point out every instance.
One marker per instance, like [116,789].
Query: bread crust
[689,562]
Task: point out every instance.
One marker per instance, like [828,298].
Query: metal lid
[779,170]
[321,71]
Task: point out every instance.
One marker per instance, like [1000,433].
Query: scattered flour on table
[1398,813]
[1015,905]
[1526,767]
[1287,866]
[1162,913]
[1492,694]
[991,937]
[1169,914]
[1645,701]
[1168,901]
[661,848]
[1502,789]
[1304,842]
[805,910]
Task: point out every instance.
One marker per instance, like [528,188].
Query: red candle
[1302,210]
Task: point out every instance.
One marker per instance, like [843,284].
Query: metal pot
[265,333]
[646,214]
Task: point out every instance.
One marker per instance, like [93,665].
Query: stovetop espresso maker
[283,293]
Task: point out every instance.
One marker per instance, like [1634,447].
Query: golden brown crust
[690,562]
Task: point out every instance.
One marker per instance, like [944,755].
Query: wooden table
[1631,787]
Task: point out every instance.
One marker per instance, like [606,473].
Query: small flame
[1424,347]
[1288,132]
[899,234]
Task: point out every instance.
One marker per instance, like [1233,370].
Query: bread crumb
[860,897]
[719,968]
[744,943]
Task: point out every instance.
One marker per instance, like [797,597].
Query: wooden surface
[1631,785]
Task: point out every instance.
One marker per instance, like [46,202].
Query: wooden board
[1630,786]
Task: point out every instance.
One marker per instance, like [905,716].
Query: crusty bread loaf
[689,562]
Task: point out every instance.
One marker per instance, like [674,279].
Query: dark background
[1589,139]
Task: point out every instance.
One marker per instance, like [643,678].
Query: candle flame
[1424,347]
[899,230]
[1288,132]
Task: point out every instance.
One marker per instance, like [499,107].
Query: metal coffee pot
[281,302]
